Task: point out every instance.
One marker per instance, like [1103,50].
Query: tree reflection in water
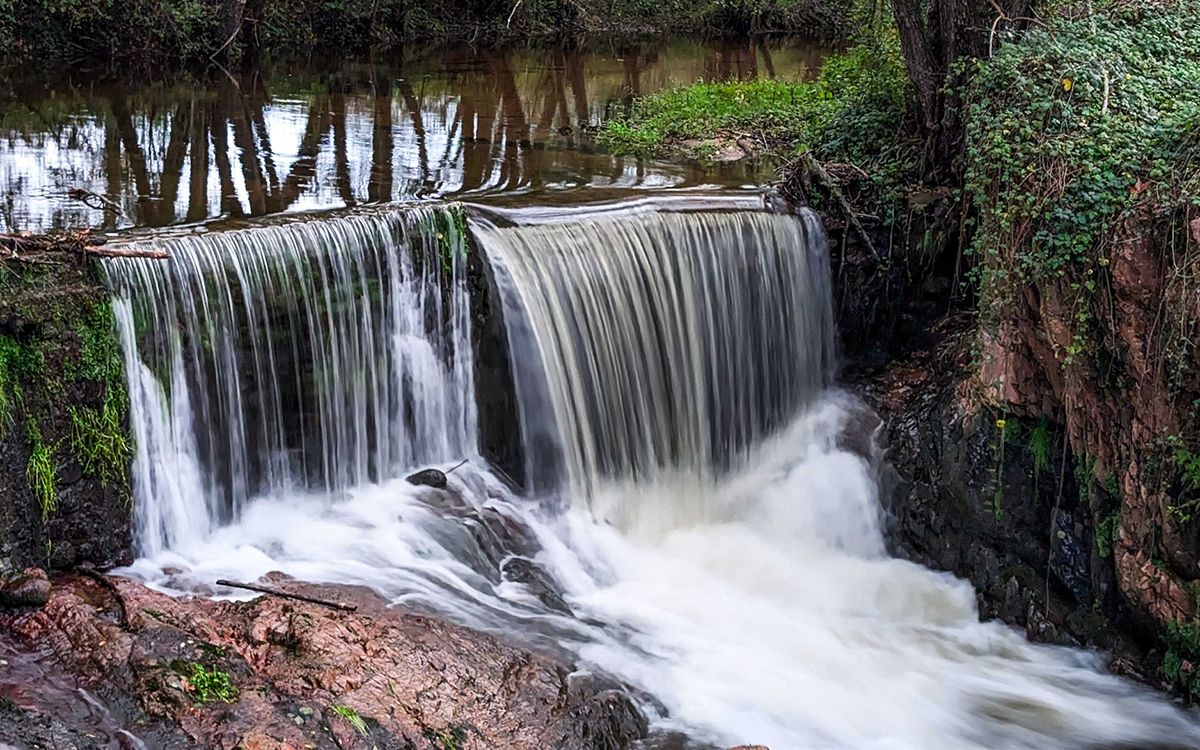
[293,137]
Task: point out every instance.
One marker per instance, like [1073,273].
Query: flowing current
[702,511]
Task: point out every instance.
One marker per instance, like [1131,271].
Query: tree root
[813,173]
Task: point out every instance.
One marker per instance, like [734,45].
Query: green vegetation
[998,494]
[1181,662]
[42,470]
[208,684]
[856,104]
[450,229]
[1187,502]
[1039,447]
[17,362]
[100,352]
[99,441]
[1106,534]
[1070,128]
[352,717]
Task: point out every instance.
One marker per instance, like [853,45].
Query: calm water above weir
[303,136]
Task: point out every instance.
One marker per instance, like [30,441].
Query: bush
[1069,128]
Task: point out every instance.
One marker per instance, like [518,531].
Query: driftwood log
[38,247]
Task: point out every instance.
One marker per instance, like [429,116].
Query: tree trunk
[933,41]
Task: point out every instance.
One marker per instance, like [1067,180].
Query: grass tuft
[352,718]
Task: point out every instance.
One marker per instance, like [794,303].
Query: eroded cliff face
[1127,398]
[1039,447]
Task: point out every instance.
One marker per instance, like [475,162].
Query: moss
[42,470]
[19,362]
[99,350]
[99,441]
[206,684]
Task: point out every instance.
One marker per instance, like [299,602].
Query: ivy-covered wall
[64,448]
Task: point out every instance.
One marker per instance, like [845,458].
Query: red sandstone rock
[411,678]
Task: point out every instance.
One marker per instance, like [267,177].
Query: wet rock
[540,584]
[29,589]
[428,478]
[966,494]
[604,716]
[407,677]
[1070,557]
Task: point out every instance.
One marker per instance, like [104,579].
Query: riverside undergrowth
[856,103]
[194,32]
[1069,129]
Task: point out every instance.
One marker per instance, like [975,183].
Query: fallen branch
[125,252]
[814,168]
[93,200]
[33,248]
[285,595]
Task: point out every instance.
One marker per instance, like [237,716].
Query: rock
[428,478]
[30,589]
[603,716]
[408,676]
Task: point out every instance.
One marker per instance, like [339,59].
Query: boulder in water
[428,478]
[29,589]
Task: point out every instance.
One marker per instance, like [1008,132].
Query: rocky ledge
[277,673]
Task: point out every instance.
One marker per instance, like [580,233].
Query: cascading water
[672,342]
[672,372]
[319,354]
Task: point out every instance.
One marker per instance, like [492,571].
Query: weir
[326,353]
[667,341]
[313,355]
[696,523]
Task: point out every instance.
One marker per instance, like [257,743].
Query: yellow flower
[1067,84]
[1000,424]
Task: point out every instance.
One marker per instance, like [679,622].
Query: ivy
[1067,130]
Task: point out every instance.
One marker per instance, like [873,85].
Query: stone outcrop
[276,673]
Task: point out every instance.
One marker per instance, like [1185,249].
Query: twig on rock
[287,595]
[87,570]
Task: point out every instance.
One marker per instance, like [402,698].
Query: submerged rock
[29,589]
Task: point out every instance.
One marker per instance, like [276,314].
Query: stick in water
[456,466]
[286,595]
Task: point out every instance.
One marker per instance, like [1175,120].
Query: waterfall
[668,342]
[310,355]
[700,526]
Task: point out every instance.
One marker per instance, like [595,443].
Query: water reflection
[302,137]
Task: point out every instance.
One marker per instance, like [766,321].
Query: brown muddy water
[302,136]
